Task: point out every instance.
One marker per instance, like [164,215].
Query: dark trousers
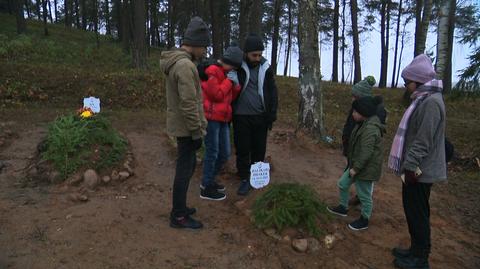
[186,162]
[250,137]
[417,211]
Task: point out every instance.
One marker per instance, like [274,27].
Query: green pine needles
[73,142]
[290,205]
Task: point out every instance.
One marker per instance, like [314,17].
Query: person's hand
[233,76]
[352,173]
[197,143]
[410,177]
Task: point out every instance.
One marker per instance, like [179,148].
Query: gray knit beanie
[197,33]
[233,56]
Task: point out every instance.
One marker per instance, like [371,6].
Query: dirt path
[126,225]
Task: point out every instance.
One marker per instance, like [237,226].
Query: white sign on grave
[92,103]
[259,175]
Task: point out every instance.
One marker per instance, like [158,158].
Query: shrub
[289,205]
[73,142]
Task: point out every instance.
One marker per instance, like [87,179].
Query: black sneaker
[186,222]
[244,188]
[360,224]
[210,193]
[339,210]
[401,252]
[218,187]
[412,262]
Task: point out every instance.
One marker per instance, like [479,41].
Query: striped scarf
[396,153]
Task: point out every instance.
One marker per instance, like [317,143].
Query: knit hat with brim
[233,56]
[197,33]
[419,70]
[364,87]
[367,106]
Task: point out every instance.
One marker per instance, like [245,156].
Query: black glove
[410,177]
[197,143]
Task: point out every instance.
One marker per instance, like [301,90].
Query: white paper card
[92,103]
[259,175]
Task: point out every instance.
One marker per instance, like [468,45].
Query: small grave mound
[81,149]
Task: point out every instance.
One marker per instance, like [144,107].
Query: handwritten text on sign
[92,103]
[259,175]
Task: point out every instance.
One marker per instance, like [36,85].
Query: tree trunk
[344,4]
[37,9]
[356,42]
[21,26]
[217,39]
[83,8]
[77,15]
[45,17]
[153,22]
[255,18]
[227,23]
[397,36]
[245,7]
[404,34]
[310,113]
[139,52]
[276,33]
[95,21]
[172,23]
[50,11]
[118,19]
[446,27]
[68,13]
[56,10]
[108,28]
[423,12]
[384,44]
[335,41]
[289,37]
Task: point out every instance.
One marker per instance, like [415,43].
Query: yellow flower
[86,114]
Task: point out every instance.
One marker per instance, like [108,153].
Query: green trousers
[364,190]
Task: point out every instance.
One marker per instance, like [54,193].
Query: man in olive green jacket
[185,118]
[364,160]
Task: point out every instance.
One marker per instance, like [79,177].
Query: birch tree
[446,28]
[310,112]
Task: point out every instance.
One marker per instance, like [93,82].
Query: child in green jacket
[364,160]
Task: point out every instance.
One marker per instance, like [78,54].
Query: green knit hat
[364,87]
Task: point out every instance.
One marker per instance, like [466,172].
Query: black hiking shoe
[186,222]
[354,201]
[339,210]
[359,224]
[401,252]
[244,188]
[412,262]
[211,193]
[218,187]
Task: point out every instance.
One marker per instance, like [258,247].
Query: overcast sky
[370,52]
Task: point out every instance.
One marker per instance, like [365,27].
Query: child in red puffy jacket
[219,90]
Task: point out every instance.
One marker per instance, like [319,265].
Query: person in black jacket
[359,90]
[254,111]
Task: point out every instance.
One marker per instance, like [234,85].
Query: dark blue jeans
[217,150]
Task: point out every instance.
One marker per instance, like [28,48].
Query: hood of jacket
[170,57]
[375,121]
